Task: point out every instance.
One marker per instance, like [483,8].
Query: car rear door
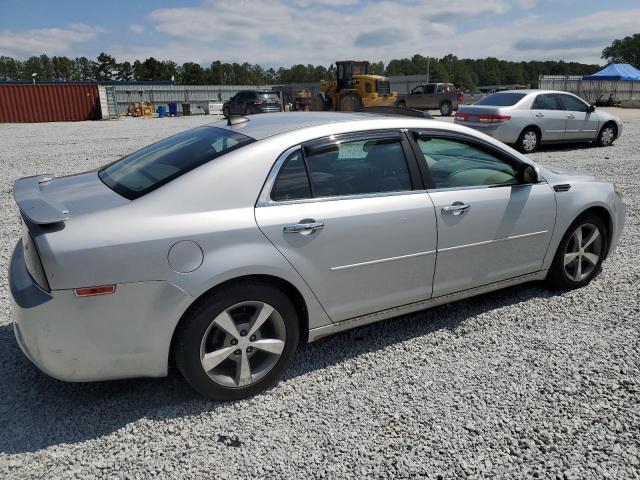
[492,224]
[548,114]
[581,124]
[352,217]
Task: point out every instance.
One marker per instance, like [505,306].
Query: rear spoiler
[34,205]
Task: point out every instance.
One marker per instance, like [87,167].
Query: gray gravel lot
[521,383]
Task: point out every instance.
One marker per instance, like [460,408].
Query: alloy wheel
[242,344]
[607,136]
[583,252]
[529,141]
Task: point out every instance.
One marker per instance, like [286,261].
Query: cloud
[380,37]
[53,41]
[136,28]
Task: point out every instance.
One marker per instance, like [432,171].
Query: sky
[285,32]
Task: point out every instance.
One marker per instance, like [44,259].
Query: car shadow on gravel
[38,412]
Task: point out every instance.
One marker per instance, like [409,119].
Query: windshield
[161,162]
[502,99]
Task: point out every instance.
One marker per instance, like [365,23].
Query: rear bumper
[500,131]
[268,109]
[126,334]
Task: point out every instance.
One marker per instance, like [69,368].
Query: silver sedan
[224,247]
[529,118]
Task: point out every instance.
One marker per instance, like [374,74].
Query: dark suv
[247,102]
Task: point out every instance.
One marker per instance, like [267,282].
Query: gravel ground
[520,383]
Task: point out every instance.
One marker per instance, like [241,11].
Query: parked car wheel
[529,140]
[445,109]
[237,341]
[226,112]
[402,104]
[607,135]
[318,104]
[247,110]
[580,253]
[350,103]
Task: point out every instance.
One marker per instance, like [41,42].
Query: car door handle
[303,228]
[457,208]
[571,115]
[539,115]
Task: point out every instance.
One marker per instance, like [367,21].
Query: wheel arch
[287,287]
[606,217]
[612,123]
[536,128]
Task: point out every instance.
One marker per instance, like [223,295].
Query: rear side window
[358,167]
[159,163]
[292,182]
[546,102]
[502,99]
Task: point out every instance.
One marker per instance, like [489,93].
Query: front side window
[358,167]
[456,164]
[292,182]
[159,163]
[417,90]
[546,101]
[573,104]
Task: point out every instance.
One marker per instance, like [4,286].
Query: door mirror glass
[529,174]
[592,108]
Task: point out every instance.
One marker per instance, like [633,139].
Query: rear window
[145,170]
[502,99]
[268,96]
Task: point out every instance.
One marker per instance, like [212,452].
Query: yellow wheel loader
[354,88]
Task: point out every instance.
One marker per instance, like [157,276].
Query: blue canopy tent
[616,72]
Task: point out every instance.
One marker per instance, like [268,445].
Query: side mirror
[592,108]
[529,174]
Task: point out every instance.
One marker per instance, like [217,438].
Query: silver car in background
[529,118]
[224,247]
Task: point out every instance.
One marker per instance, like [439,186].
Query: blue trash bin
[162,111]
[173,109]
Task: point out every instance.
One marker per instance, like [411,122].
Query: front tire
[529,140]
[226,113]
[237,341]
[402,104]
[580,253]
[607,135]
[350,103]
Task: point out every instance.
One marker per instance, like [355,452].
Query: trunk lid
[44,199]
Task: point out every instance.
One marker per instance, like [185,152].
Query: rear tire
[226,112]
[528,141]
[607,135]
[350,103]
[402,104]
[445,109]
[318,104]
[217,344]
[579,255]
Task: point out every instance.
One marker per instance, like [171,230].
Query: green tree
[105,66]
[626,50]
[62,68]
[10,68]
[125,71]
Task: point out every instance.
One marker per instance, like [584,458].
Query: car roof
[527,91]
[266,125]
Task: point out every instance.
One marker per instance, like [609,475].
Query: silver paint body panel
[376,253]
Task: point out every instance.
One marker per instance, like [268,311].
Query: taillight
[258,102]
[460,97]
[93,291]
[494,118]
[33,262]
[463,117]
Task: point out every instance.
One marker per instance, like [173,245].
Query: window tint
[429,88]
[292,182]
[417,90]
[456,164]
[546,102]
[358,167]
[502,99]
[161,162]
[573,104]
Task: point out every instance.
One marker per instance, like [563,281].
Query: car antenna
[236,119]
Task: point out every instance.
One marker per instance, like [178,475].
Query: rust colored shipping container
[48,103]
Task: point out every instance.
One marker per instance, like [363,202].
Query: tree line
[466,73]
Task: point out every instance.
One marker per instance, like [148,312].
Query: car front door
[237,107]
[414,99]
[493,224]
[351,216]
[581,123]
[548,114]
[429,97]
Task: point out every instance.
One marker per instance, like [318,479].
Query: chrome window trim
[264,200]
